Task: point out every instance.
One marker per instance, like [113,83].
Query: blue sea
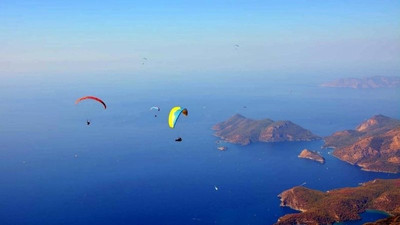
[125,168]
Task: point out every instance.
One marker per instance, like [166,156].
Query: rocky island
[367,82]
[241,130]
[317,207]
[374,145]
[307,154]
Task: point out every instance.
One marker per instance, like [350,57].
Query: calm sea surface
[125,168]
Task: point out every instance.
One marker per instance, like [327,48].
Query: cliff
[241,130]
[374,145]
[307,154]
[340,204]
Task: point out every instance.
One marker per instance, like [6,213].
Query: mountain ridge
[364,83]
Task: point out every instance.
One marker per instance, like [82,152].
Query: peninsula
[374,145]
[317,207]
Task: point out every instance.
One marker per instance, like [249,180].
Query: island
[308,154]
[366,82]
[317,207]
[241,130]
[374,145]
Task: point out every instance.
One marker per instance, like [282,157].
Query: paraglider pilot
[179,139]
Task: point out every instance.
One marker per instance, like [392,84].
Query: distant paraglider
[155,108]
[91,98]
[144,59]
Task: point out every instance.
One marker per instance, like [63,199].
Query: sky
[352,38]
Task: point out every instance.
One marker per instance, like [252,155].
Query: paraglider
[144,60]
[174,116]
[91,98]
[155,108]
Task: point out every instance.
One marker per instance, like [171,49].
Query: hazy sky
[360,37]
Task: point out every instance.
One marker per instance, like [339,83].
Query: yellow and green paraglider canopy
[174,115]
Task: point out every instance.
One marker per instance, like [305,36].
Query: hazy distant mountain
[374,145]
[241,130]
[343,204]
[367,82]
